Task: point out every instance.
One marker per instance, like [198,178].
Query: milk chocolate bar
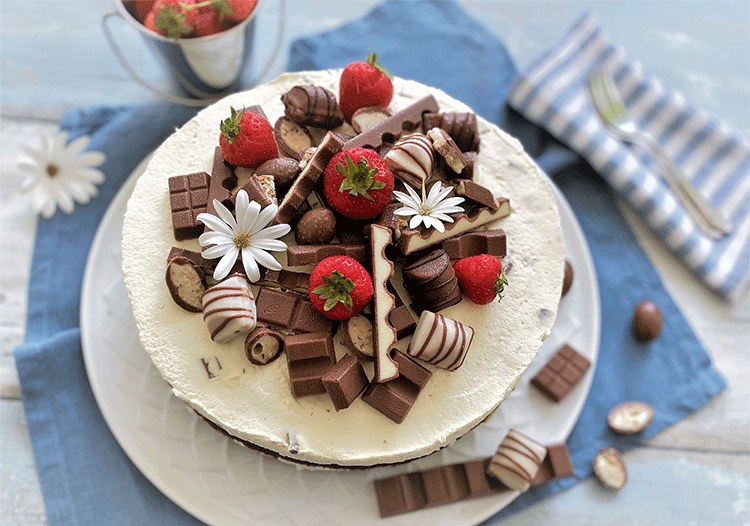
[188,197]
[563,371]
[517,461]
[490,242]
[305,182]
[286,279]
[383,333]
[413,240]
[223,181]
[475,192]
[345,381]
[390,129]
[401,319]
[289,311]
[556,465]
[396,397]
[462,127]
[312,106]
[309,357]
[302,255]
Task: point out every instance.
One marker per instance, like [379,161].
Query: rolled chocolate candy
[517,461]
[312,106]
[441,341]
[263,345]
[490,242]
[412,159]
[229,308]
[284,171]
[291,138]
[188,197]
[431,281]
[384,334]
[462,127]
[446,147]
[368,117]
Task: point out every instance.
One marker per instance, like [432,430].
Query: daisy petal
[77,145]
[251,267]
[265,217]
[264,258]
[225,215]
[405,211]
[273,245]
[218,250]
[213,238]
[214,223]
[274,231]
[415,221]
[226,263]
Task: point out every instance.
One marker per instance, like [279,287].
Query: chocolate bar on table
[396,397]
[303,255]
[563,371]
[188,197]
[309,357]
[289,311]
[492,242]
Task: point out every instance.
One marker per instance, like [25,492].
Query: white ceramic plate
[223,483]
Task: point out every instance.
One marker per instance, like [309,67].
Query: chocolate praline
[647,321]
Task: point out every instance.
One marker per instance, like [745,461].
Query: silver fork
[614,114]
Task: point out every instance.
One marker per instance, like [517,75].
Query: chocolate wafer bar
[490,242]
[383,333]
[390,129]
[309,357]
[462,127]
[289,311]
[312,106]
[188,197]
[396,397]
[345,381]
[302,255]
[563,371]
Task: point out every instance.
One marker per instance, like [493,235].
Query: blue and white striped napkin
[552,94]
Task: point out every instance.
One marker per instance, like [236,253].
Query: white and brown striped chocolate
[229,308]
[517,460]
[441,341]
[412,159]
[384,335]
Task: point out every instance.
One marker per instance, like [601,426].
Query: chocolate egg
[316,227]
[647,321]
[567,278]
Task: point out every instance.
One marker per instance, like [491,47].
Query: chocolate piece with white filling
[309,357]
[255,192]
[292,138]
[188,197]
[396,397]
[441,341]
[304,255]
[345,381]
[475,192]
[263,345]
[284,171]
[446,147]
[186,283]
[384,334]
[290,311]
[462,127]
[368,117]
[517,460]
[412,159]
[609,468]
[312,106]
[229,308]
[492,242]
[356,334]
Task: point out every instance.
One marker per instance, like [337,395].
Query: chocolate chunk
[441,341]
[188,197]
[396,397]
[412,159]
[647,321]
[312,106]
[284,171]
[462,127]
[255,192]
[356,334]
[223,181]
[383,333]
[390,129]
[567,278]
[292,138]
[186,283]
[517,461]
[402,320]
[286,279]
[446,147]
[368,117]
[229,308]
[309,357]
[431,281]
[490,242]
[289,311]
[304,184]
[263,345]
[316,227]
[475,193]
[302,255]
[556,465]
[470,159]
[561,373]
[345,381]
[411,241]
[389,219]
[257,109]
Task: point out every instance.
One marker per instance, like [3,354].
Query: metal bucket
[205,68]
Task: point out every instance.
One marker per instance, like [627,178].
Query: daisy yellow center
[242,240]
[52,169]
[425,210]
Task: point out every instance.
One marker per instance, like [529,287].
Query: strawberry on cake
[341,268]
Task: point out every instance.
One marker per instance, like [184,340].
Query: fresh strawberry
[141,9]
[173,18]
[247,139]
[481,277]
[240,9]
[364,84]
[339,287]
[208,23]
[358,183]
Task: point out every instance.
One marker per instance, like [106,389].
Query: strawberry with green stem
[481,278]
[247,139]
[340,287]
[364,84]
[358,183]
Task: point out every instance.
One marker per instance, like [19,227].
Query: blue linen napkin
[552,93]
[85,476]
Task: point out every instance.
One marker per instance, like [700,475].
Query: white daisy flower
[431,210]
[248,235]
[60,174]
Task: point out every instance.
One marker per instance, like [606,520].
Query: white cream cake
[254,403]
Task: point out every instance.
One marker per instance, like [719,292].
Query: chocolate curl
[384,335]
[312,106]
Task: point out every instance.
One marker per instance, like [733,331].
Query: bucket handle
[176,99]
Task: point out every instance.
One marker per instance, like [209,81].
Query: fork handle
[703,213]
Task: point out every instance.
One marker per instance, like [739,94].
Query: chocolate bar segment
[345,381]
[563,371]
[302,255]
[223,181]
[312,106]
[188,197]
[475,192]
[396,397]
[401,319]
[309,357]
[383,333]
[556,465]
[391,129]
[286,279]
[431,281]
[462,127]
[255,192]
[447,148]
[492,242]
[289,311]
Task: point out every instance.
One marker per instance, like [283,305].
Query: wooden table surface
[55,57]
